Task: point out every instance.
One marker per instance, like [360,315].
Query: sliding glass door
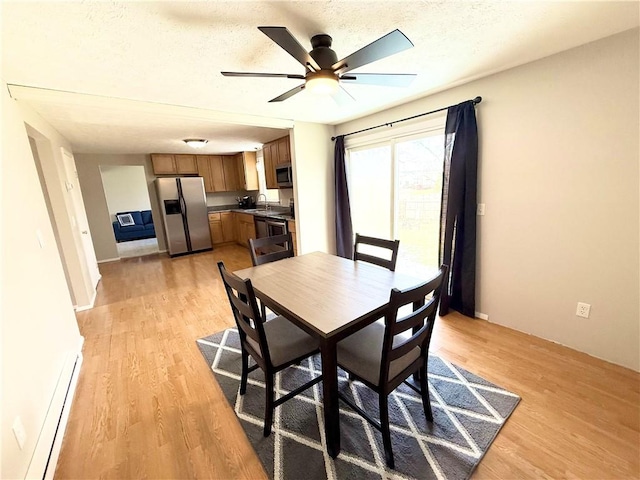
[395,189]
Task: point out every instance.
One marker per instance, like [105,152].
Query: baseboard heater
[45,456]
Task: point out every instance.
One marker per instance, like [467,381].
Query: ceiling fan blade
[285,40]
[342,97]
[383,79]
[288,94]
[250,74]
[393,42]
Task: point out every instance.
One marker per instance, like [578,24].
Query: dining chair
[270,249]
[273,345]
[391,245]
[384,355]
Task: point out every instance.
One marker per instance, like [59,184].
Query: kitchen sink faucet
[266,205]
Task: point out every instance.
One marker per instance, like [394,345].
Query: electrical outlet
[19,432]
[480,209]
[583,310]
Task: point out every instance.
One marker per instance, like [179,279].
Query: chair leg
[424,389]
[386,432]
[268,408]
[245,372]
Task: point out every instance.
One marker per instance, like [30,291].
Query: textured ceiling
[172,53]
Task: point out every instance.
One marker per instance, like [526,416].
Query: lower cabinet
[291,225]
[221,227]
[245,228]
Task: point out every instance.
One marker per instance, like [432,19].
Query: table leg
[330,394]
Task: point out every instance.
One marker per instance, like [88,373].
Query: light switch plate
[480,209]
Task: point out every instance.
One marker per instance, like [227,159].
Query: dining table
[329,297]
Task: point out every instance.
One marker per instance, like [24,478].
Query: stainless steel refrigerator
[184,211]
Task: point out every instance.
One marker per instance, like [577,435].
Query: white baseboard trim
[481,316]
[93,301]
[45,456]
[115,259]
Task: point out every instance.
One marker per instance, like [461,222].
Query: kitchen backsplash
[227,198]
[285,195]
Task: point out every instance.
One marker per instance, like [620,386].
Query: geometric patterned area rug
[468,413]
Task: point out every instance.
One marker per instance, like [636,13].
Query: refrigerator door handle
[183,210]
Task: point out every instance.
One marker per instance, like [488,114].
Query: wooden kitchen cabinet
[217,173]
[163,164]
[245,228]
[277,152]
[228,227]
[186,164]
[284,152]
[215,228]
[269,167]
[247,171]
[221,173]
[204,170]
[230,167]
[222,227]
[291,225]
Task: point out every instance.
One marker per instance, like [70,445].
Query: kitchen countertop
[281,213]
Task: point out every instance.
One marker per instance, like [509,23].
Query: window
[272,194]
[395,189]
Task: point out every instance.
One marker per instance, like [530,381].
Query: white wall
[312,161]
[559,174]
[49,144]
[125,188]
[39,333]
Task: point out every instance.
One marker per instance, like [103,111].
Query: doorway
[126,191]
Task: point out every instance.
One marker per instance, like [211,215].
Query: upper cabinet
[231,178]
[247,171]
[284,150]
[164,164]
[221,173]
[186,164]
[275,153]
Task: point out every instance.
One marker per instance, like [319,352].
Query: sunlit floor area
[137,248]
[148,406]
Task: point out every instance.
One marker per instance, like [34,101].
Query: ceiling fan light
[321,85]
[195,142]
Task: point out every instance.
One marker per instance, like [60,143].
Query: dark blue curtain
[344,228]
[458,217]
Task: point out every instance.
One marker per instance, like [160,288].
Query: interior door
[79,216]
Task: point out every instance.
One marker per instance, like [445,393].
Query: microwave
[284,175]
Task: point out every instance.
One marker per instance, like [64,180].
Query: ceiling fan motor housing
[322,52]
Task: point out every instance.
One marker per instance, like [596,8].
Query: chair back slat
[245,310]
[265,250]
[415,318]
[391,245]
[420,321]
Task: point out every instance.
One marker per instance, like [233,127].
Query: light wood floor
[147,405]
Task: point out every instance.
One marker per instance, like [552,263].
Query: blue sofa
[143,227]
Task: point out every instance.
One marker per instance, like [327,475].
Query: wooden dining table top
[324,292]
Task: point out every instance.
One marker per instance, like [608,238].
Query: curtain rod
[390,124]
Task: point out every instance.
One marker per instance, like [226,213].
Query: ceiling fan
[324,72]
